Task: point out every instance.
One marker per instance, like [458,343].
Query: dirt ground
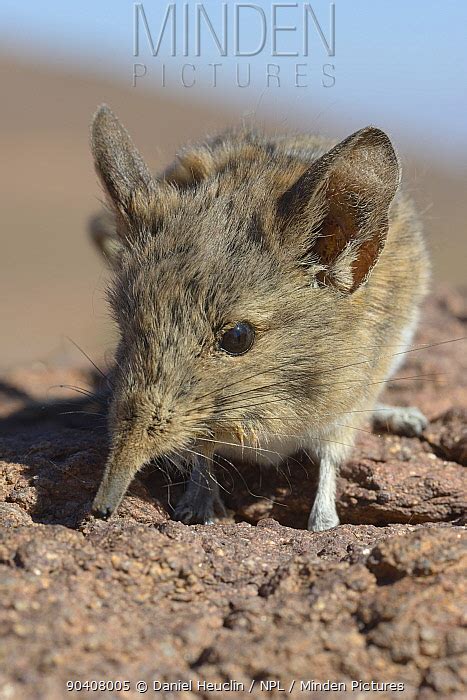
[255,599]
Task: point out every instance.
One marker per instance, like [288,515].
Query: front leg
[329,451]
[201,503]
[323,515]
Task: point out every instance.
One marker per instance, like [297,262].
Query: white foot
[408,421]
[321,519]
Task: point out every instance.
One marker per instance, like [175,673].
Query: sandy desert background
[52,281]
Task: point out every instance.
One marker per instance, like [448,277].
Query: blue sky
[399,65]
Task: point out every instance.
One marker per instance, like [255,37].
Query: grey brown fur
[311,244]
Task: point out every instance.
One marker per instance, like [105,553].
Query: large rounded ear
[336,213]
[126,178]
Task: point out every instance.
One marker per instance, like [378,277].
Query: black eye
[238,340]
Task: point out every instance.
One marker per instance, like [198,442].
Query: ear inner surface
[352,186]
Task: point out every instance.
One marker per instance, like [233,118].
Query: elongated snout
[122,465]
[142,428]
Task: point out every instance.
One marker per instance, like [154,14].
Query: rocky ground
[256,598]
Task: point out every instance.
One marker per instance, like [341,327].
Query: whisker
[66,473]
[86,413]
[289,382]
[428,377]
[330,385]
[278,454]
[250,492]
[79,390]
[256,449]
[90,360]
[249,391]
[174,483]
[169,480]
[335,368]
[352,427]
[207,487]
[304,437]
[198,454]
[395,354]
[340,413]
[253,376]
[240,446]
